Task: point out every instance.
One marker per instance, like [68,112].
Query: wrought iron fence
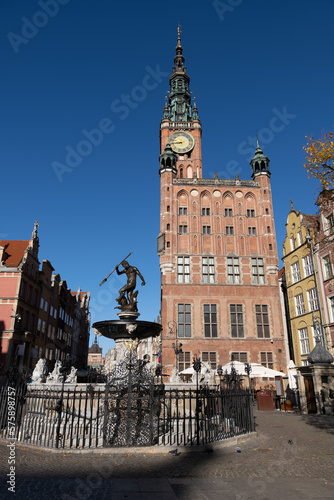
[104,415]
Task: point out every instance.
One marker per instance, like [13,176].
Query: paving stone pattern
[292,456]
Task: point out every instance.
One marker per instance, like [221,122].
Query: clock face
[181,142]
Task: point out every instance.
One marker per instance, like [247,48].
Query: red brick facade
[218,261]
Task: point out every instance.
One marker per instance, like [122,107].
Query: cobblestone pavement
[291,455]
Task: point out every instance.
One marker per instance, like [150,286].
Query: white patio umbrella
[259,371]
[292,374]
[238,366]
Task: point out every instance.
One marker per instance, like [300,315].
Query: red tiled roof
[312,220]
[280,273]
[82,294]
[15,251]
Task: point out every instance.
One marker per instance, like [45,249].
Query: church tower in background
[217,248]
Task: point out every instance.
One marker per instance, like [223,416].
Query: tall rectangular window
[208,269]
[233,270]
[210,358]
[331,303]
[228,212]
[184,320]
[295,272]
[258,271]
[267,359]
[184,360]
[262,321]
[210,320]
[183,229]
[182,210]
[307,264]
[229,230]
[300,306]
[292,243]
[312,299]
[304,341]
[250,212]
[183,269]
[206,229]
[327,267]
[330,223]
[205,211]
[252,231]
[300,238]
[239,356]
[237,321]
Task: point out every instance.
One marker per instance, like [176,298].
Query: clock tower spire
[180,124]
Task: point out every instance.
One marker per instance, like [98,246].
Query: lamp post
[248,370]
[197,365]
[220,374]
[175,345]
[320,323]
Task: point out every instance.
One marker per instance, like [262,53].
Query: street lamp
[197,365]
[248,370]
[175,345]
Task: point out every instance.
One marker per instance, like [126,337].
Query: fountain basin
[127,329]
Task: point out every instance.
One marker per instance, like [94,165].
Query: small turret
[168,159]
[259,163]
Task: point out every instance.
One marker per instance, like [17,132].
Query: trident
[105,279]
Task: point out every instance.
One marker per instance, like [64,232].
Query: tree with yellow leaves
[320,159]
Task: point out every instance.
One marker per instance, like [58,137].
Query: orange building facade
[217,249]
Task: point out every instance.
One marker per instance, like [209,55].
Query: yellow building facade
[301,282]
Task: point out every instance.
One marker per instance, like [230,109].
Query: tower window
[206,229]
[168,208]
[250,212]
[267,359]
[270,246]
[262,321]
[237,321]
[228,212]
[211,358]
[229,230]
[168,227]
[184,320]
[182,210]
[210,320]
[205,211]
[268,229]
[267,211]
[208,269]
[184,360]
[239,356]
[183,269]
[183,229]
[252,231]
[233,270]
[258,271]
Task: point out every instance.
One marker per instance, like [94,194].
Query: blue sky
[67,65]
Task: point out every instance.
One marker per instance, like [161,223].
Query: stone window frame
[183,269]
[184,320]
[304,341]
[210,320]
[308,265]
[257,264]
[295,272]
[233,271]
[211,358]
[312,298]
[262,321]
[208,269]
[300,304]
[236,317]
